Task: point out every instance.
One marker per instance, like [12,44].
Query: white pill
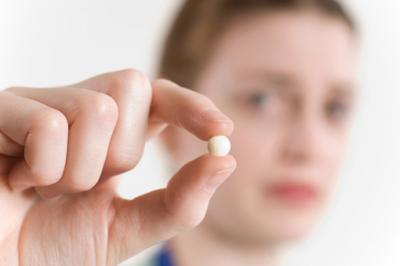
[219,145]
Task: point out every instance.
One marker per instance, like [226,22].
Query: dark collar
[164,257]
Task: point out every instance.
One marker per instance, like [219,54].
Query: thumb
[161,214]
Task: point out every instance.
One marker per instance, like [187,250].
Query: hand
[60,151]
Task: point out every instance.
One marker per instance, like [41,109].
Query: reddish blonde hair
[199,22]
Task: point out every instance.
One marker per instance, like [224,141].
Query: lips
[293,192]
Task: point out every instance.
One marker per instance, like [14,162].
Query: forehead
[291,41]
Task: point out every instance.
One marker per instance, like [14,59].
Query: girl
[284,72]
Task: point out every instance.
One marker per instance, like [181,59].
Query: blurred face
[286,80]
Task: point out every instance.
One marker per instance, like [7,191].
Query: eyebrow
[345,90]
[284,79]
[277,77]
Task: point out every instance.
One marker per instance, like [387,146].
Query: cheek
[255,148]
[331,158]
[336,158]
[255,153]
[336,149]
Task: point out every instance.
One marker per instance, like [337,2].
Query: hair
[199,22]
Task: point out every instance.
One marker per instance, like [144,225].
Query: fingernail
[218,178]
[214,116]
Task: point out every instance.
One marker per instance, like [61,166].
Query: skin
[61,151]
[287,80]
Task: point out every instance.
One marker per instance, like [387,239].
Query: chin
[295,229]
[289,223]
[285,226]
[295,233]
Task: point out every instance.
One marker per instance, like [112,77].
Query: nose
[304,139]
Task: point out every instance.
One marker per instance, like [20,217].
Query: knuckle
[188,220]
[14,89]
[4,95]
[9,89]
[132,75]
[198,99]
[204,100]
[166,83]
[130,78]
[44,179]
[122,162]
[100,106]
[50,120]
[160,82]
[81,184]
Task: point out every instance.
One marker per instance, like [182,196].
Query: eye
[259,99]
[337,110]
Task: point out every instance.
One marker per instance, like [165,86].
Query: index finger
[177,106]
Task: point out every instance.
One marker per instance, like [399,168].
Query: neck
[201,246]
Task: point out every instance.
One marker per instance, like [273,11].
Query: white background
[49,42]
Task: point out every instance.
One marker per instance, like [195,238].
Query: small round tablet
[219,145]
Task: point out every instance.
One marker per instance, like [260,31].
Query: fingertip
[209,165]
[207,124]
[232,160]
[223,162]
[216,122]
[221,128]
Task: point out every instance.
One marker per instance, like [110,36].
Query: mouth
[293,193]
